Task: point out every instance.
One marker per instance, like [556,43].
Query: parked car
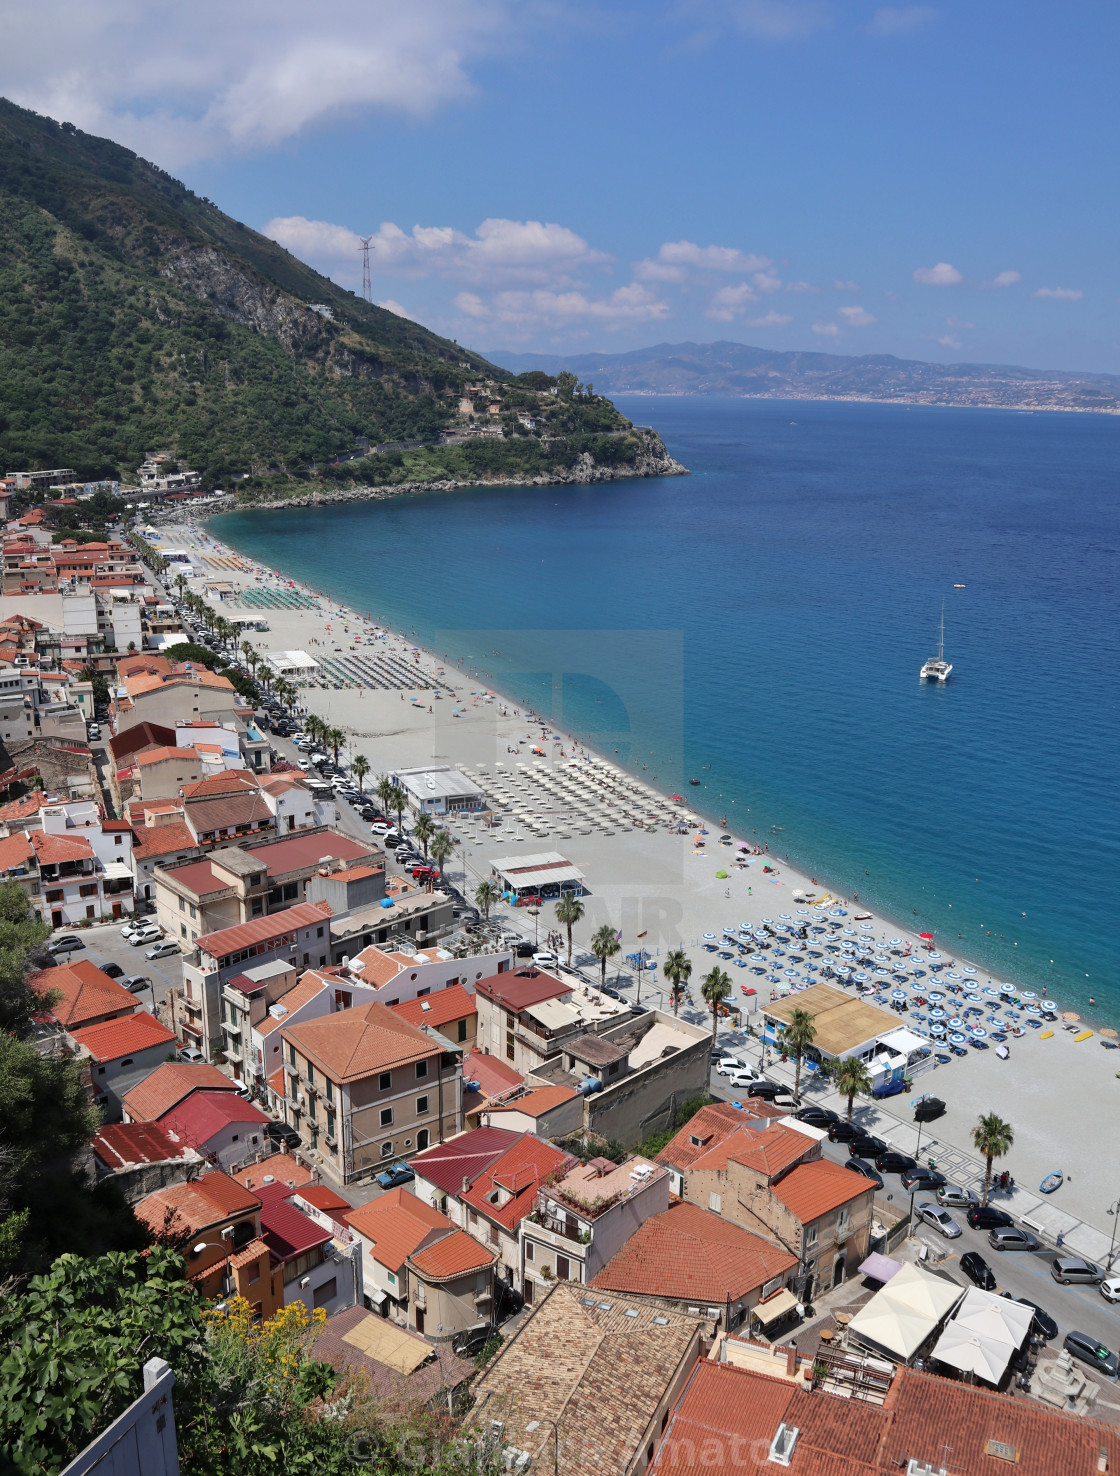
[860,1166]
[765,1090]
[378,827]
[941,1220]
[844,1132]
[987,1217]
[1065,1269]
[144,932]
[952,1196]
[281,1134]
[136,983]
[892,1162]
[743,1078]
[922,1180]
[189,1055]
[164,949]
[1090,1351]
[728,1064]
[67,943]
[866,1146]
[928,1109]
[545,959]
[525,950]
[392,1178]
[978,1271]
[1043,1324]
[112,970]
[888,1089]
[1110,1288]
[1011,1238]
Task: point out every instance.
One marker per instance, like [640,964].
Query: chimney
[466,1184]
[791,1361]
[1102,1460]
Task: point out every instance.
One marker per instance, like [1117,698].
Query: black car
[923,1180]
[866,1146]
[892,1162]
[985,1217]
[113,971]
[818,1117]
[859,1166]
[524,950]
[766,1090]
[281,1134]
[844,1132]
[1043,1325]
[977,1270]
[928,1109]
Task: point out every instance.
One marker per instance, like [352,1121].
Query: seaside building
[439,790]
[847,1025]
[546,875]
[706,1131]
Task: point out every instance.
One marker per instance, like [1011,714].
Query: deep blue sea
[760,625]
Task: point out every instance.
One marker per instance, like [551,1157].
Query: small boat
[1051,1182]
[937,669]
[959,586]
[694,781]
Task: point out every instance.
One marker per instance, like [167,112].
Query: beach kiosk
[545,875]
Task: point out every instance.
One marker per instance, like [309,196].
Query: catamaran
[937,669]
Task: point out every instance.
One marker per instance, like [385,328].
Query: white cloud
[767,282]
[857,317]
[182,82]
[542,308]
[676,259]
[958,323]
[941,275]
[500,251]
[391,306]
[771,320]
[776,20]
[827,330]
[1060,294]
[730,302]
[846,286]
[896,20]
[801,287]
[950,342]
[1007,279]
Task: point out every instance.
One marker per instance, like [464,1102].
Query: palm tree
[398,800]
[441,847]
[181,584]
[677,968]
[797,1036]
[851,1076]
[604,945]
[716,987]
[384,792]
[264,674]
[335,738]
[423,830]
[993,1138]
[485,895]
[360,768]
[248,650]
[569,911]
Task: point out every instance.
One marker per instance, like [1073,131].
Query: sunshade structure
[902,1317]
[388,1344]
[879,1268]
[999,1319]
[970,1353]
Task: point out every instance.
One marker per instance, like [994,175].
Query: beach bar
[439,790]
[545,875]
[845,1026]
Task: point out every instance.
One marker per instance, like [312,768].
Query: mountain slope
[135,316]
[726,368]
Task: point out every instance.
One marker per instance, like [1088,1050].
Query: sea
[759,626]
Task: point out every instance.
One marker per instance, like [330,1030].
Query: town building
[83,995]
[168,1085]
[450,1010]
[546,1111]
[140,1157]
[222,1126]
[705,1131]
[315,1261]
[439,790]
[487,1081]
[121,1053]
[406,972]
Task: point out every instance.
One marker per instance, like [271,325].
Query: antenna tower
[367,288]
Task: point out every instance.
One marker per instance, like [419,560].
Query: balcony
[292,1071]
[231,1028]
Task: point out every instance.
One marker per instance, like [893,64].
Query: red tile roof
[122,1145]
[465,1157]
[519,1171]
[310,985]
[282,1168]
[326,1200]
[23,809]
[52,850]
[191,1208]
[113,1039]
[262,929]
[169,1084]
[813,1189]
[286,1230]
[163,840]
[203,1115]
[16,851]
[457,1254]
[356,1043]
[493,1075]
[710,1125]
[693,1255]
[86,993]
[197,877]
[297,851]
[769,1150]
[517,989]
[396,1225]
[162,755]
[537,1103]
[452,1003]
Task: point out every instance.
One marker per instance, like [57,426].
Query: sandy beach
[662,889]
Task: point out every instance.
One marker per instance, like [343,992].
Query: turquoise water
[759,625]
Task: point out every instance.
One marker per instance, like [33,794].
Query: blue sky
[936,181]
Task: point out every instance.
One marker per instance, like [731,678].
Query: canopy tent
[385,1343]
[998,1319]
[901,1317]
[879,1268]
[972,1354]
[774,1307]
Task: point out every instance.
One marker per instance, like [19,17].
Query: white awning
[774,1307]
[971,1353]
[906,1313]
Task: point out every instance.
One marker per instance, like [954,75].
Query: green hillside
[135,316]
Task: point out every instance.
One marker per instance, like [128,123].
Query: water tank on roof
[589,1085]
[386,901]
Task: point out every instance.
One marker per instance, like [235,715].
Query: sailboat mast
[941,643]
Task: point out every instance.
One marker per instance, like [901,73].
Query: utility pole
[367,288]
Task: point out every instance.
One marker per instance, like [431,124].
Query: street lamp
[535,1425]
[1114,1211]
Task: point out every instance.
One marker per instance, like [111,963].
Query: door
[56,917]
[116,911]
[419,1319]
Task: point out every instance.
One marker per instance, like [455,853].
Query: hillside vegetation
[135,316]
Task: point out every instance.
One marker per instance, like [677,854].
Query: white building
[439,790]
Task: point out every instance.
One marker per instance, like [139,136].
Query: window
[254,1272]
[311,1108]
[301,1265]
[562,1268]
[421,1070]
[126,1062]
[325,1293]
[385,1081]
[811,1235]
[310,1074]
[194,911]
[391,1278]
[319,933]
[421,1106]
[715,1202]
[291,1053]
[462,1030]
[182,904]
[529,1250]
[386,1117]
[386,1150]
[842,1222]
[183,930]
[101,1071]
[330,1090]
[423,1138]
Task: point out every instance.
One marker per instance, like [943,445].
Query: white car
[1110,1288]
[163,950]
[139,936]
[380,828]
[728,1064]
[545,959]
[304,764]
[743,1078]
[940,1219]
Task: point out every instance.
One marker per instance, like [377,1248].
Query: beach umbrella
[1033,1010]
[709,937]
[978,1033]
[1028,994]
[1051,1008]
[866,927]
[898,993]
[956,1023]
[991,993]
[937,1013]
[895,943]
[860,978]
[967,970]
[1007,989]
[785,916]
[936,995]
[956,1039]
[935,955]
[937,1029]
[837,912]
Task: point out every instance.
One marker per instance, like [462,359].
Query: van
[1065,1269]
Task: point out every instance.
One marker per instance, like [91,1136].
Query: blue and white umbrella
[791,973]
[1007,989]
[786,916]
[974,998]
[837,912]
[883,973]
[991,993]
[842,969]
[957,1039]
[849,932]
[1050,1006]
[978,1033]
[867,927]
[766,919]
[956,1023]
[967,969]
[898,993]
[937,1013]
[1028,994]
[935,956]
[935,995]
[709,937]
[1033,1009]
[860,978]
[951,975]
[937,1029]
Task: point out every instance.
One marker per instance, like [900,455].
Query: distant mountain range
[726,368]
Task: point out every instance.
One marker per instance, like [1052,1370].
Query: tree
[485,895]
[100,684]
[360,768]
[569,911]
[384,792]
[849,1077]
[248,650]
[715,988]
[423,829]
[398,801]
[314,727]
[993,1138]
[604,945]
[21,933]
[336,738]
[442,844]
[798,1035]
[264,674]
[677,968]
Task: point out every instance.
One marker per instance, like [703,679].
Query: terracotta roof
[452,1003]
[169,1084]
[519,1171]
[286,1230]
[230,781]
[517,989]
[113,1039]
[23,809]
[163,840]
[296,852]
[261,929]
[377,966]
[283,1168]
[86,993]
[731,1412]
[396,1225]
[198,877]
[309,986]
[693,1255]
[457,1254]
[276,1081]
[710,1125]
[769,1150]
[162,755]
[326,1200]
[492,1073]
[15,851]
[203,1115]
[355,1043]
[121,1145]
[813,1189]
[447,1164]
[228,811]
[190,1208]
[537,1103]
[52,850]
[135,739]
